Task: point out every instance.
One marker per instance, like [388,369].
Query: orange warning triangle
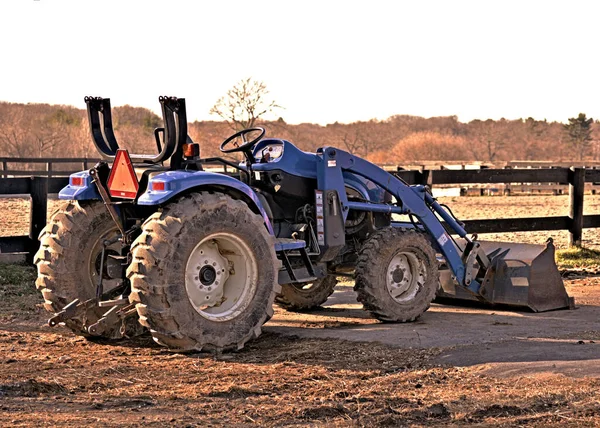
[122,182]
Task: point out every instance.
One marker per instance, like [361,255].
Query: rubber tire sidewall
[161,254]
[66,244]
[371,274]
[293,299]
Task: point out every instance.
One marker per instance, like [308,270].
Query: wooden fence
[575,222]
[48,165]
[576,178]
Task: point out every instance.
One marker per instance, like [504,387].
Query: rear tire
[204,273]
[396,275]
[68,264]
[295,297]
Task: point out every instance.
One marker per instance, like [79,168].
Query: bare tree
[47,136]
[13,133]
[244,104]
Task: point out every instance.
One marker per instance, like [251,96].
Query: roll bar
[175,130]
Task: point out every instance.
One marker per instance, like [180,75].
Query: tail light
[76,181]
[157,186]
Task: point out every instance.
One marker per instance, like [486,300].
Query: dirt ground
[457,365]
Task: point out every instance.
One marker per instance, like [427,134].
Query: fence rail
[576,178]
[49,170]
[575,222]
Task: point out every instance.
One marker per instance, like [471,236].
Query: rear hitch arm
[72,310]
[118,313]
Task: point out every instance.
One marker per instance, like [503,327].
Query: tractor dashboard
[270,153]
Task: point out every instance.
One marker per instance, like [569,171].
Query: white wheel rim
[221,276]
[405,276]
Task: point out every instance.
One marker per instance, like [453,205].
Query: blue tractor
[199,257]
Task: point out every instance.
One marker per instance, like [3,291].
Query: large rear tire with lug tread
[302,297]
[204,273]
[396,275]
[68,264]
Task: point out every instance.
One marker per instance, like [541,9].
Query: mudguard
[177,182]
[83,192]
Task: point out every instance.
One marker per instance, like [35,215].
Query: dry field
[521,369]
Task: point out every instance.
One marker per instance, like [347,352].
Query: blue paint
[304,164]
[79,193]
[293,160]
[332,162]
[289,245]
[177,182]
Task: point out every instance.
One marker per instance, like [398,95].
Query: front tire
[396,275]
[204,273]
[302,297]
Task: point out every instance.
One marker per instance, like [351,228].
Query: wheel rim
[405,276]
[221,276]
[112,268]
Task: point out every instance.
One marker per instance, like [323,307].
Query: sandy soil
[332,367]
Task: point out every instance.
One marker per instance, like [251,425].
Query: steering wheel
[246,145]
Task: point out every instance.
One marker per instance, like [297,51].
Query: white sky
[322,60]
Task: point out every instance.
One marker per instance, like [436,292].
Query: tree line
[42,130]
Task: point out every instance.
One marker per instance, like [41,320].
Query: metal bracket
[118,313]
[72,310]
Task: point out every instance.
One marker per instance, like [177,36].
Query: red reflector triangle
[122,182]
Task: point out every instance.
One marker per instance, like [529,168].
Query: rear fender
[181,182]
[84,192]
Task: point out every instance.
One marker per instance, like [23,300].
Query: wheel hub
[208,272]
[207,275]
[112,271]
[398,275]
[405,276]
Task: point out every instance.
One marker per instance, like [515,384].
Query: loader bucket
[522,275]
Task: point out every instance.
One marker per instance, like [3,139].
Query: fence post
[4,168]
[424,178]
[576,188]
[37,211]
[49,168]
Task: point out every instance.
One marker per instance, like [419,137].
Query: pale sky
[324,61]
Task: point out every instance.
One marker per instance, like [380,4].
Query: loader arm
[414,200]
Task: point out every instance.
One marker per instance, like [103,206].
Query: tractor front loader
[198,258]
